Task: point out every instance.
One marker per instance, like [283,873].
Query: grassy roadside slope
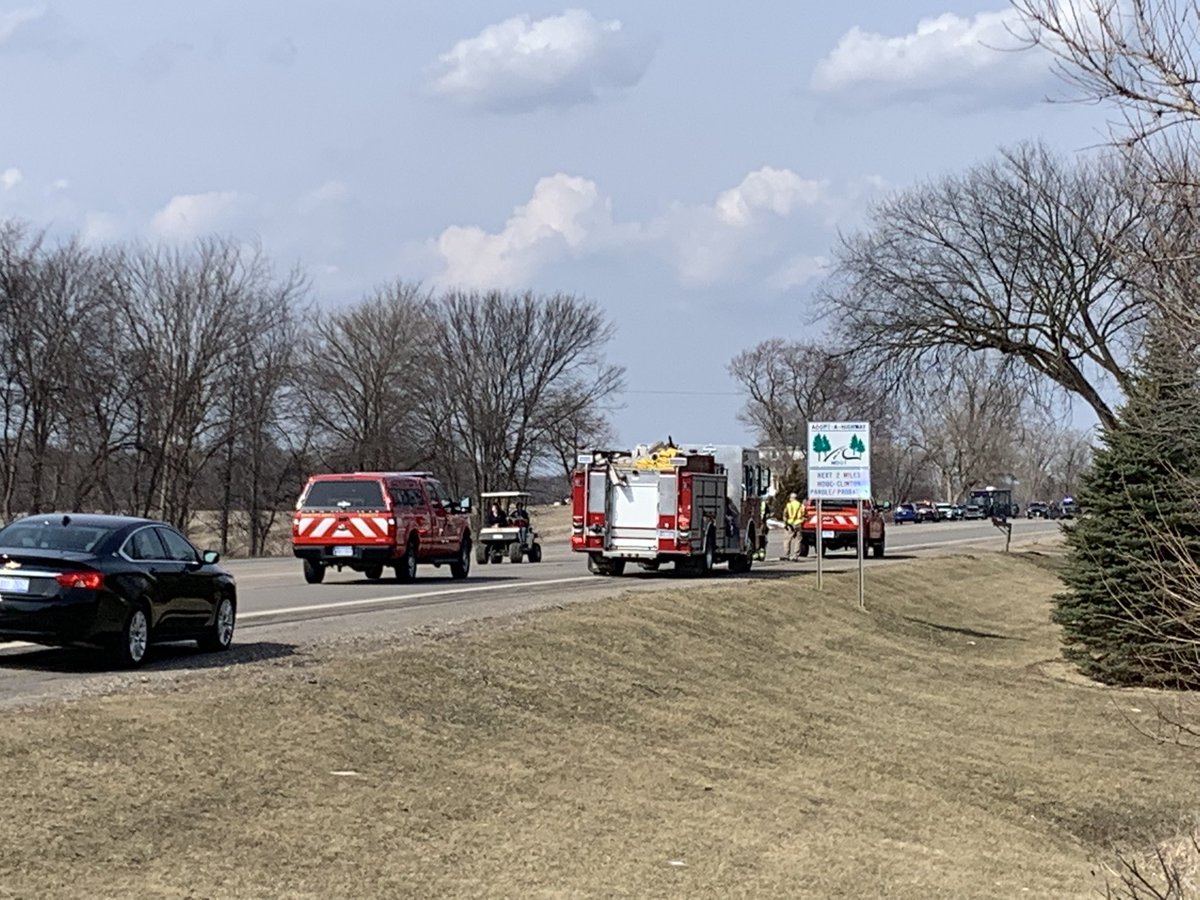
[728,741]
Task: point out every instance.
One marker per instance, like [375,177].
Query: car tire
[314,572]
[220,633]
[535,553]
[406,571]
[461,568]
[134,639]
[515,553]
[374,573]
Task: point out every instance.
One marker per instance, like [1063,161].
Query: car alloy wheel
[136,637]
[221,635]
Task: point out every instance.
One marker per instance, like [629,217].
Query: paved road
[278,613]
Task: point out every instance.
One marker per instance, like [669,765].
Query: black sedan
[114,582]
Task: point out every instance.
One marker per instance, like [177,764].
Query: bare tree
[507,370]
[1020,256]
[789,383]
[189,314]
[1139,55]
[360,375]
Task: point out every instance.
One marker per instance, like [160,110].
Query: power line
[690,393]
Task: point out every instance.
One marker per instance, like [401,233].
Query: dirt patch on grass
[714,742]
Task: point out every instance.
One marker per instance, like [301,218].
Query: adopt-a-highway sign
[839,460]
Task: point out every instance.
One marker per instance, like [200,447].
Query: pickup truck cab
[368,521]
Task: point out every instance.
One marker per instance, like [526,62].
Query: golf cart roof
[505,494]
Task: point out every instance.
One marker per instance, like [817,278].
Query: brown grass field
[723,741]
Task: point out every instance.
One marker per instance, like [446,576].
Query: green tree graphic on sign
[857,445]
[821,444]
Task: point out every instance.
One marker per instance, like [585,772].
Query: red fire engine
[656,505]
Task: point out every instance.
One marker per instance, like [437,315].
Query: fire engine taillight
[91,581]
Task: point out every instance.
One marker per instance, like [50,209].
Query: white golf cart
[514,536]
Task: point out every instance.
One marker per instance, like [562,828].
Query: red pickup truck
[366,521]
[839,527]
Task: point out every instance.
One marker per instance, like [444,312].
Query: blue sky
[688,166]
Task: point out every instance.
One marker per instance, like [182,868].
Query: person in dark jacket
[495,517]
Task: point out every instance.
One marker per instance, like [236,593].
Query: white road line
[368,601]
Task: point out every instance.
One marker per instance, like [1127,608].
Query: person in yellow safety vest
[793,520]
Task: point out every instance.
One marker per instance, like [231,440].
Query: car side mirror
[210,557]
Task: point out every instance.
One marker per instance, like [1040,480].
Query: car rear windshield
[53,536]
[349,494]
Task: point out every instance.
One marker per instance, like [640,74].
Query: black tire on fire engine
[615,567]
[596,564]
[461,567]
[740,565]
[314,572]
[407,570]
[373,572]
[481,553]
[709,559]
[515,552]
[535,553]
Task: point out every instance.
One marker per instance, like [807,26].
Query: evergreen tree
[1123,617]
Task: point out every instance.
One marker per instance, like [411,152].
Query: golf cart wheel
[535,553]
[481,553]
[515,553]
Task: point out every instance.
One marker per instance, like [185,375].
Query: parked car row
[929,511]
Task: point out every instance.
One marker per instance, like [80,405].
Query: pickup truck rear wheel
[406,571]
[373,572]
[314,572]
[461,567]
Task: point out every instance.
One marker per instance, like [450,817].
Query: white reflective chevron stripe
[322,527]
[363,528]
[303,524]
[381,523]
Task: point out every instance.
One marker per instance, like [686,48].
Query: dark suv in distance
[1037,510]
[115,582]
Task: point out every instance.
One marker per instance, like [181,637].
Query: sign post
[839,468]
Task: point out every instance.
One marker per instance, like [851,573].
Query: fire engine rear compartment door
[633,518]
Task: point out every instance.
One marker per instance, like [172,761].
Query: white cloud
[10,178]
[564,215]
[14,19]
[60,184]
[522,64]
[710,244]
[949,56]
[798,271]
[567,217]
[190,215]
[332,191]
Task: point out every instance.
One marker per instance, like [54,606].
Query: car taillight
[91,581]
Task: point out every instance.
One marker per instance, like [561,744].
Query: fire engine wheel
[407,570]
[515,552]
[535,553]
[373,572]
[314,572]
[461,567]
[740,565]
[481,554]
